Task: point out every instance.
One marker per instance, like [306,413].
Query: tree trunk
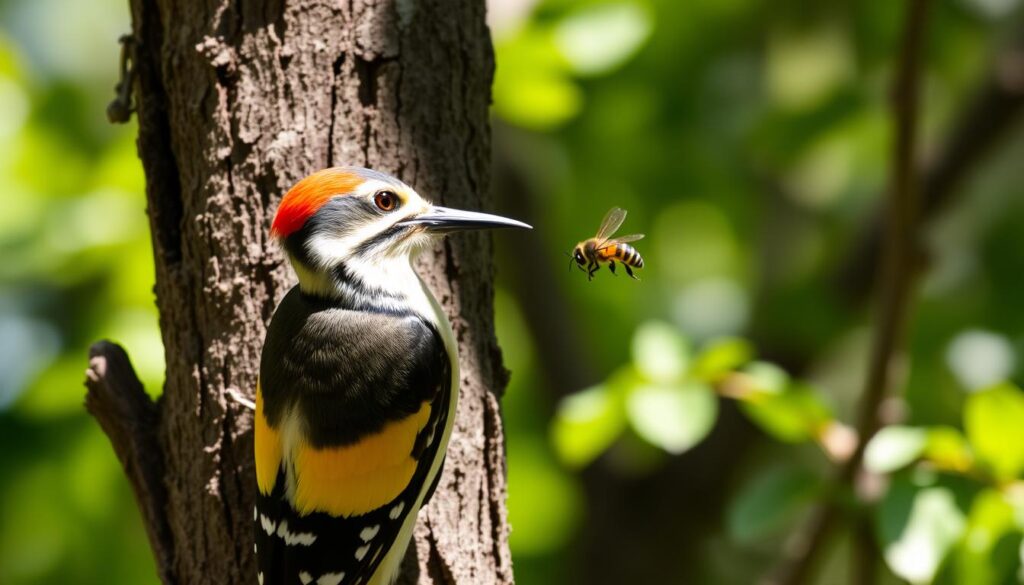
[237,101]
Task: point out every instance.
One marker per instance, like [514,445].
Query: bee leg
[593,268]
[630,272]
[611,266]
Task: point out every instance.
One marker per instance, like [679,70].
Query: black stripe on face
[385,238]
[339,217]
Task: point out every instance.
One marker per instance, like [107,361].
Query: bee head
[579,256]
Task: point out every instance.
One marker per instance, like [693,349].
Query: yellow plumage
[268,449]
[342,481]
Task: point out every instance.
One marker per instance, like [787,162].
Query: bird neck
[388,285]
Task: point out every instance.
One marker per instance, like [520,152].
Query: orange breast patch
[355,479]
[268,448]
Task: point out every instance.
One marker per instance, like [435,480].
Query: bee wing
[626,239]
[611,222]
[621,240]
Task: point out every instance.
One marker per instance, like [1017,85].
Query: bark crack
[335,76]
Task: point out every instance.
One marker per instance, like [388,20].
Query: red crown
[308,196]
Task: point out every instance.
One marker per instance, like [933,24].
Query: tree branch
[898,271]
[116,399]
[978,128]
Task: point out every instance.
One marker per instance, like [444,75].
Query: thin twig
[900,261]
[901,266]
[899,270]
[116,399]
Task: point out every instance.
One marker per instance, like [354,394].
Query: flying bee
[589,254]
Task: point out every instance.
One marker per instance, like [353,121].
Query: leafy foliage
[748,140]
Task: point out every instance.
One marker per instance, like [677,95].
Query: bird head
[349,223]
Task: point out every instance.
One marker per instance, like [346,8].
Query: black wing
[304,549]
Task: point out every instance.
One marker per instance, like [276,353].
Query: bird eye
[386,200]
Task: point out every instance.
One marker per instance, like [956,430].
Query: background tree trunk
[236,102]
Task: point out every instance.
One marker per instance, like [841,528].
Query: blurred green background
[749,140]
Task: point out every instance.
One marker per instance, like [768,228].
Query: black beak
[444,219]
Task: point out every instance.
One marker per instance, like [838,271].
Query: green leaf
[533,87]
[947,449]
[770,502]
[721,357]
[918,529]
[796,414]
[894,447]
[994,421]
[586,424]
[988,553]
[674,418]
[660,352]
[767,377]
[597,39]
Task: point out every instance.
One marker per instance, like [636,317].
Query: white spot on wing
[259,577]
[396,511]
[369,532]
[305,577]
[361,552]
[268,525]
[293,538]
[254,513]
[330,579]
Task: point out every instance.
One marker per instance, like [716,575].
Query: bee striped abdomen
[623,253]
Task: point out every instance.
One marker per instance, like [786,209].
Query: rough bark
[236,101]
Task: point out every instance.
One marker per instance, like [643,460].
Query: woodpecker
[358,381]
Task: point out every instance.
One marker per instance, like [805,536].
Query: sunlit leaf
[802,67]
[660,352]
[674,418]
[533,87]
[14,104]
[539,101]
[993,421]
[720,357]
[894,447]
[919,527]
[770,501]
[597,39]
[796,414]
[988,554]
[585,424]
[767,377]
[947,448]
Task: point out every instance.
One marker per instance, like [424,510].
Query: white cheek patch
[327,249]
